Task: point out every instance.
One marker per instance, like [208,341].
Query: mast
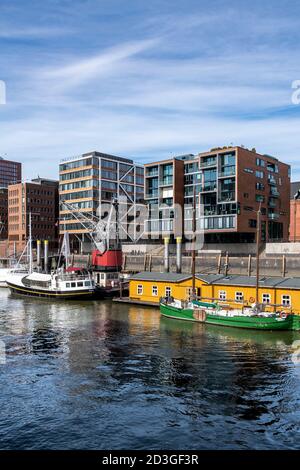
[30,245]
[193,247]
[258,236]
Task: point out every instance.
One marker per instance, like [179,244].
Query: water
[97,375]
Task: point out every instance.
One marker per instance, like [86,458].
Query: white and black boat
[57,285]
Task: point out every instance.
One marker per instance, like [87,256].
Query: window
[73,284]
[168,291]
[239,296]
[154,291]
[266,299]
[80,284]
[67,284]
[286,300]
[222,295]
[248,170]
[260,186]
[87,283]
[252,223]
[259,198]
[260,162]
[140,289]
[259,174]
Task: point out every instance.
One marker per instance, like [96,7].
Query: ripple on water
[97,375]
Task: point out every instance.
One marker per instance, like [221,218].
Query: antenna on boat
[258,236]
[193,247]
[30,245]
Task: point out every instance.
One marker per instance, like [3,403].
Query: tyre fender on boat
[199,314]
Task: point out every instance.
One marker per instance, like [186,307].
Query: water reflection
[103,375]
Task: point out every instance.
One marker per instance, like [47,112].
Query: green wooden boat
[213,314]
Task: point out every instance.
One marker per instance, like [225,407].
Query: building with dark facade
[10,172]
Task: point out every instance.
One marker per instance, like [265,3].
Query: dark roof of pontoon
[168,277]
[220,279]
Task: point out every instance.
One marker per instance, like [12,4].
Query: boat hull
[58,295]
[255,323]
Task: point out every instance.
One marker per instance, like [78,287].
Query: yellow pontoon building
[277,293]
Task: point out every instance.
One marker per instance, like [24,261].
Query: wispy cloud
[81,71]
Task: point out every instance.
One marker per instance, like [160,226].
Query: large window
[210,180]
[227,189]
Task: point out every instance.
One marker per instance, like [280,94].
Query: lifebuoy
[252,300]
[283,314]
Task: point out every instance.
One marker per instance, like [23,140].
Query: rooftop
[220,279]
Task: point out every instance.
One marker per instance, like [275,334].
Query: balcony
[273,216]
[274,192]
[167,181]
[227,171]
[208,163]
[227,196]
[151,173]
[152,194]
[272,181]
[208,187]
[272,204]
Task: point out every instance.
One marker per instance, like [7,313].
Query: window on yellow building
[239,296]
[222,295]
[286,300]
[140,289]
[266,298]
[168,291]
[154,291]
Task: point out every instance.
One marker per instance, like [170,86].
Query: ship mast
[258,237]
[194,247]
[30,246]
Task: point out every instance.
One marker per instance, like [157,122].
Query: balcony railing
[227,171]
[166,181]
[206,187]
[207,163]
[273,216]
[152,194]
[274,192]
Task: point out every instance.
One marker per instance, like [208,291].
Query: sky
[147,79]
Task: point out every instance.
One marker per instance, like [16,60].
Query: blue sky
[147,79]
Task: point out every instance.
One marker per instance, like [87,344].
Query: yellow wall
[210,292]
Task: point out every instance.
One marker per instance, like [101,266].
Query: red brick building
[40,198]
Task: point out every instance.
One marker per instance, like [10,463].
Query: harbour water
[98,375]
